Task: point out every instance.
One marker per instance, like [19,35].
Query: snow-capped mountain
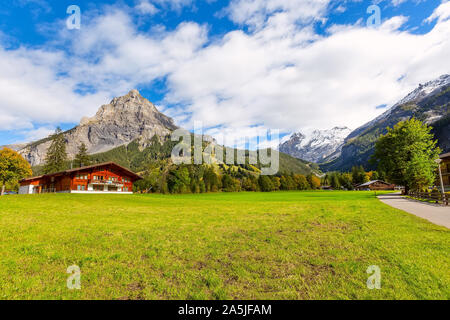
[429,102]
[317,146]
[426,90]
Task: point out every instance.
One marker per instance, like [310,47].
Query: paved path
[436,214]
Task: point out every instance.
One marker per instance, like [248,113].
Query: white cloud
[281,79]
[279,75]
[396,3]
[38,133]
[256,13]
[146,7]
[441,13]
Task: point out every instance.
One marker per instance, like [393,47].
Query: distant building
[445,169]
[106,177]
[375,185]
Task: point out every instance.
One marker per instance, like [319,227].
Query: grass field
[284,245]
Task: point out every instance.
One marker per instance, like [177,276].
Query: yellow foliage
[13,166]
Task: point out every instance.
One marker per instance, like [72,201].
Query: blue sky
[234,65]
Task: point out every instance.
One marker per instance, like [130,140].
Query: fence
[432,196]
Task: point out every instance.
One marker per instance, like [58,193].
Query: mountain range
[317,146]
[132,132]
[429,102]
[132,121]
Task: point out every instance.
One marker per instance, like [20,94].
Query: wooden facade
[445,169]
[376,185]
[99,178]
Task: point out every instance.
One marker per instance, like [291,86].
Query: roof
[128,171]
[445,155]
[372,182]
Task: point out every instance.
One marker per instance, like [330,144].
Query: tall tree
[313,181]
[13,167]
[407,154]
[56,157]
[81,158]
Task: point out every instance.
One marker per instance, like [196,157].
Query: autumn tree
[407,154]
[56,157]
[13,167]
[313,181]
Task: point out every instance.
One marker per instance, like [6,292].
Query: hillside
[430,103]
[158,149]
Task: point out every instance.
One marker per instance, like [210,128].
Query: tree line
[406,155]
[162,177]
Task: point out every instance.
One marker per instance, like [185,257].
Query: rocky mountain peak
[123,120]
[317,145]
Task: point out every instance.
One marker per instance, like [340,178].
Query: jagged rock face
[117,123]
[321,144]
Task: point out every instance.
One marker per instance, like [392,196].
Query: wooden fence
[432,196]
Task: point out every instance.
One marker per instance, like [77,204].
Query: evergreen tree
[82,157]
[335,184]
[56,157]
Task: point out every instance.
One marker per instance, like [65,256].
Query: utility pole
[438,161]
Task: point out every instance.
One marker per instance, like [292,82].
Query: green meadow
[282,245]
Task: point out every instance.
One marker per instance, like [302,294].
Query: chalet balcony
[106,183]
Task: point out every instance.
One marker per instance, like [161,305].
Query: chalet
[445,169]
[375,185]
[106,177]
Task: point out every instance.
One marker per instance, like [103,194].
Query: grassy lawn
[284,245]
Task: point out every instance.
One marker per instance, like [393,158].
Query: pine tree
[82,157]
[56,157]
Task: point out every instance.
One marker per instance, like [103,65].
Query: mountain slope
[158,149]
[430,103]
[118,123]
[321,144]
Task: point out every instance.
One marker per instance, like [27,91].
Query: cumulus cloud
[146,7]
[280,74]
[441,13]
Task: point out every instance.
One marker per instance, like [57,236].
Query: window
[78,187]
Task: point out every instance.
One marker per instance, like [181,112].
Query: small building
[375,185]
[106,177]
[445,170]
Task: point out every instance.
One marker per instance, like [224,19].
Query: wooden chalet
[106,177]
[375,185]
[445,169]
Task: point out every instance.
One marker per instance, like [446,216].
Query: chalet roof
[445,155]
[127,171]
[372,182]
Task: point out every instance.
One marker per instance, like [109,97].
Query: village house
[445,169]
[375,185]
[106,177]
